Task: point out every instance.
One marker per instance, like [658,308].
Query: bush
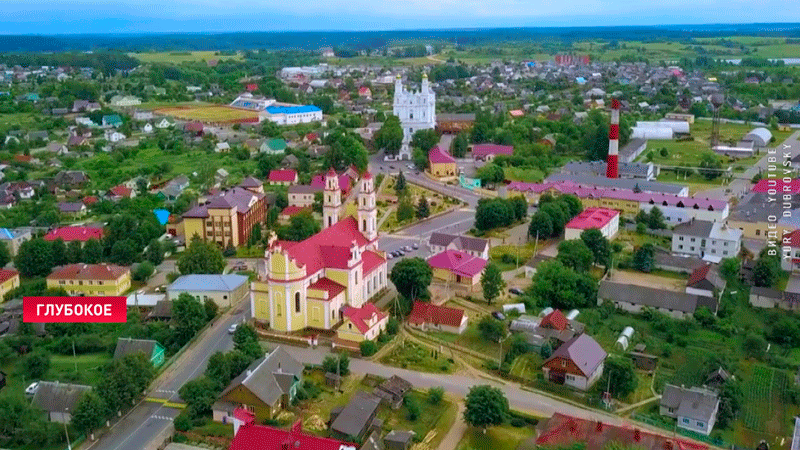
[183,423]
[143,271]
[412,406]
[368,348]
[516,422]
[36,365]
[435,395]
[392,326]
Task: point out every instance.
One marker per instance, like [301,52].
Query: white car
[30,390]
[232,328]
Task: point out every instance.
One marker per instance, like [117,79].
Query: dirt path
[456,432]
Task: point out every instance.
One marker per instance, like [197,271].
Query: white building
[416,111]
[706,239]
[603,219]
[291,114]
[114,136]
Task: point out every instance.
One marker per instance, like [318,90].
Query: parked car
[415,246]
[407,248]
[515,291]
[232,328]
[498,315]
[30,390]
[390,256]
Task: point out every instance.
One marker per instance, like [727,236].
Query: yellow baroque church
[307,284]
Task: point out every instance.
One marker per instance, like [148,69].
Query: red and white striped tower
[612,163]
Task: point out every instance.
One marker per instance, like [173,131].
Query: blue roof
[5,233]
[580,80]
[112,118]
[292,109]
[162,215]
[221,283]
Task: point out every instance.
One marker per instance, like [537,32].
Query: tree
[575,255]
[92,251]
[435,395]
[405,210]
[729,268]
[423,210]
[5,255]
[412,407]
[123,252]
[90,413]
[598,245]
[572,203]
[218,370]
[425,139]
[301,226]
[520,207]
[255,232]
[154,253]
[245,339]
[34,258]
[59,252]
[491,174]
[74,252]
[485,406]
[35,365]
[491,329]
[199,394]
[211,308]
[458,148]
[368,348]
[655,219]
[541,225]
[492,282]
[189,316]
[400,183]
[339,364]
[619,377]
[201,258]
[644,258]
[411,277]
[143,271]
[560,287]
[558,216]
[785,331]
[390,136]
[704,316]
[493,213]
[754,346]
[731,398]
[710,166]
[766,270]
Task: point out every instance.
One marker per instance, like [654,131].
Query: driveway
[794,284]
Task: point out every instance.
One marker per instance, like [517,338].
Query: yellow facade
[349,332]
[221,226]
[93,287]
[8,285]
[193,227]
[442,170]
[761,230]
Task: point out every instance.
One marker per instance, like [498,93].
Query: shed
[760,137]
[644,361]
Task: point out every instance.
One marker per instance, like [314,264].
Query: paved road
[147,420]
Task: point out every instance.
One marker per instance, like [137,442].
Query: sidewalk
[453,437]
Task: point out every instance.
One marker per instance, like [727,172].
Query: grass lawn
[62,368]
[214,114]
[411,356]
[471,338]
[526,366]
[249,252]
[637,240]
[436,203]
[181,57]
[521,174]
[505,256]
[432,417]
[503,437]
[212,428]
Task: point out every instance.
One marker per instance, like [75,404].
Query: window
[686,420]
[680,238]
[297,302]
[692,239]
[680,247]
[725,253]
[758,232]
[701,424]
[563,363]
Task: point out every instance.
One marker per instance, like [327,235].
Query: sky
[150,16]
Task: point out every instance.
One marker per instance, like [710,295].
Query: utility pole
[69,445]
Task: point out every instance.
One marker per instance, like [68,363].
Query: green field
[764,409]
[522,174]
[525,367]
[503,437]
[411,356]
[62,368]
[181,57]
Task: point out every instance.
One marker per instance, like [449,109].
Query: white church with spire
[318,282]
[416,111]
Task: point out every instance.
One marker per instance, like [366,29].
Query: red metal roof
[699,274]
[425,312]
[283,175]
[592,218]
[360,316]
[439,156]
[328,248]
[89,200]
[121,191]
[326,284]
[492,149]
[7,274]
[561,431]
[372,261]
[261,437]
[68,234]
[194,126]
[87,272]
[792,239]
[459,263]
[251,87]
[554,320]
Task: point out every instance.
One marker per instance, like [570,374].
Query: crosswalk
[170,419]
[165,391]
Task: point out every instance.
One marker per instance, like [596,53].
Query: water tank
[628,332]
[573,314]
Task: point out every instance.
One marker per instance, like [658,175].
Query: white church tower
[332,199]
[367,208]
[416,111]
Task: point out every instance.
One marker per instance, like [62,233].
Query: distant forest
[376,39]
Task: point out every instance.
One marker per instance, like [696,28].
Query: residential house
[165,123]
[399,440]
[362,324]
[458,269]
[357,418]
[770,298]
[119,192]
[91,279]
[393,391]
[9,280]
[70,178]
[194,128]
[174,188]
[703,238]
[111,120]
[74,233]
[254,185]
[706,281]
[603,219]
[790,249]
[439,242]
[114,136]
[273,146]
[694,408]
[282,177]
[487,152]
[77,141]
[224,290]
[152,350]
[249,436]
[143,115]
[302,196]
[577,363]
[73,210]
[40,135]
[14,238]
[222,147]
[441,164]
[634,299]
[147,128]
[125,100]
[56,147]
[58,400]
[266,387]
[427,316]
